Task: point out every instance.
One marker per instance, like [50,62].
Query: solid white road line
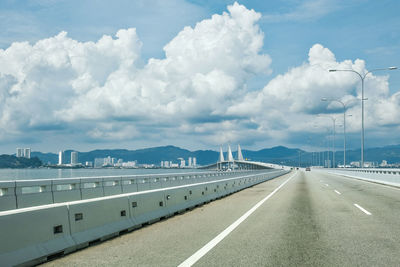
[362,209]
[210,245]
[337,192]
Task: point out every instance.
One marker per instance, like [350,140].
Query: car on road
[308,169]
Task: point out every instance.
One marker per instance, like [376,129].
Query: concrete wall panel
[147,206]
[129,185]
[29,235]
[33,193]
[98,219]
[177,200]
[143,184]
[112,186]
[8,199]
[91,188]
[65,190]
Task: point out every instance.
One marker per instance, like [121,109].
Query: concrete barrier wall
[384,176]
[99,219]
[112,186]
[195,195]
[33,193]
[37,233]
[91,188]
[8,199]
[66,190]
[32,235]
[177,200]
[29,193]
[148,206]
[129,185]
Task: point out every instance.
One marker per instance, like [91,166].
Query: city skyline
[219,72]
[385,157]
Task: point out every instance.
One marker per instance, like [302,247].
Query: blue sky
[350,30]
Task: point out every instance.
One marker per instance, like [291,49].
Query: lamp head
[392,68]
[324,99]
[332,70]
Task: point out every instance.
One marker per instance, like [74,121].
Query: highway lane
[309,224]
[310,221]
[169,242]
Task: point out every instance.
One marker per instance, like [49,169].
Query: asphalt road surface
[313,219]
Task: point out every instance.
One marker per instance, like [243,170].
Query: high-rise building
[190,162]
[20,152]
[60,157]
[194,162]
[89,164]
[23,153]
[182,162]
[98,162]
[27,153]
[108,161]
[74,158]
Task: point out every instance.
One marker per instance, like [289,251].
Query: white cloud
[291,102]
[53,72]
[60,81]
[204,69]
[101,92]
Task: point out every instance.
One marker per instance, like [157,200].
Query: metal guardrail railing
[371,170]
[384,176]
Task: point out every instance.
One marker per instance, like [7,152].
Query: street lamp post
[344,125]
[328,152]
[299,159]
[362,77]
[334,130]
[321,154]
[326,144]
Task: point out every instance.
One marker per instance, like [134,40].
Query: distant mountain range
[278,155]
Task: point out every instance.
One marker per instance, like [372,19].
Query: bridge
[230,163]
[270,217]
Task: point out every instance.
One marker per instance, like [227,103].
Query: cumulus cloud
[291,102]
[203,66]
[60,81]
[50,74]
[103,91]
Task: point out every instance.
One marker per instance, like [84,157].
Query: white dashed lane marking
[362,209]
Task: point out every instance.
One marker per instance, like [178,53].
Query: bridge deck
[311,221]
